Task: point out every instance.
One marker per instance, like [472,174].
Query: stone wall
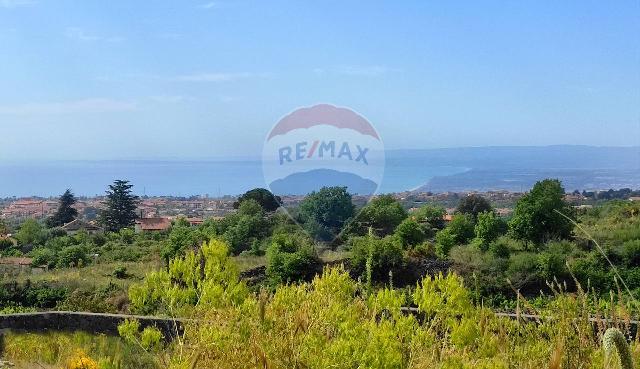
[87,322]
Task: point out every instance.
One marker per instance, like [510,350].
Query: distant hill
[539,157]
[517,168]
[306,182]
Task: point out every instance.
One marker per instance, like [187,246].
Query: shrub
[424,250]
[551,265]
[445,240]
[523,269]
[291,258]
[99,239]
[31,232]
[57,232]
[73,256]
[384,213]
[120,272]
[409,232]
[488,228]
[590,270]
[501,247]
[44,257]
[383,255]
[461,228]
[127,235]
[83,300]
[39,295]
[632,252]
[433,216]
[208,277]
[473,205]
[5,245]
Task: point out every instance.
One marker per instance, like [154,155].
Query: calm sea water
[178,178]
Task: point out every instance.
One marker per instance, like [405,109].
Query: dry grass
[92,276]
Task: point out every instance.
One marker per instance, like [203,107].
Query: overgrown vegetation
[536,261]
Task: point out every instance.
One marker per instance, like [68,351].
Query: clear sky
[150,79]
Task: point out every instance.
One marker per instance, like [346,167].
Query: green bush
[501,248]
[409,232]
[424,250]
[523,269]
[445,240]
[551,265]
[590,270]
[73,256]
[488,228]
[83,300]
[37,295]
[383,254]
[384,213]
[632,252]
[291,258]
[120,272]
[6,245]
[461,228]
[127,235]
[44,257]
[433,216]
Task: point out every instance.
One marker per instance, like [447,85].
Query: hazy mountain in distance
[547,157]
[306,182]
[518,168]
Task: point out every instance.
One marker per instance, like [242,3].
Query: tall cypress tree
[65,213]
[120,206]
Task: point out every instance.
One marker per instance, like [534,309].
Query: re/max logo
[322,149]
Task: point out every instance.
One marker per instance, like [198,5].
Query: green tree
[473,205]
[488,228]
[66,212]
[291,258]
[410,233]
[250,207]
[30,232]
[44,256]
[461,228]
[267,200]
[73,256]
[382,214]
[326,211]
[537,216]
[445,240]
[120,206]
[432,217]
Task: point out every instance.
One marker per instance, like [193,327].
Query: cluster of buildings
[199,207]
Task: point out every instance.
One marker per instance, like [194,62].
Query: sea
[213,178]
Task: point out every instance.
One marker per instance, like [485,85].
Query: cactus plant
[613,338]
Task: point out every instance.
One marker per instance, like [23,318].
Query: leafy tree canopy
[537,216]
[461,228]
[432,217]
[120,206]
[30,232]
[410,233]
[66,212]
[488,228]
[329,208]
[264,197]
[473,205]
[382,214]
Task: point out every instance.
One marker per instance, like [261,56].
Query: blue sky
[184,79]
